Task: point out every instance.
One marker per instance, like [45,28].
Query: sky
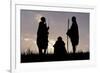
[57,22]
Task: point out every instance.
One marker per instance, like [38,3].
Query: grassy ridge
[30,57]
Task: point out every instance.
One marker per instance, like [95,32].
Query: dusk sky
[57,22]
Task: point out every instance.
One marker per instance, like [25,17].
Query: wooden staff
[67,35]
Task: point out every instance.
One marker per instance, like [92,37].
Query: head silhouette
[43,19]
[73,19]
[59,38]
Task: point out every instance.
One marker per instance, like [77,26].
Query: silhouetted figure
[42,36]
[73,34]
[59,47]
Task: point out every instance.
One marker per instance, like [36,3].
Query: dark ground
[27,58]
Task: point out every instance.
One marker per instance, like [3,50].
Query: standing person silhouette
[42,36]
[73,34]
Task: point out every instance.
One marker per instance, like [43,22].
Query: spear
[67,35]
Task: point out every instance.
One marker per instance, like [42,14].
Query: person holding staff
[42,36]
[73,34]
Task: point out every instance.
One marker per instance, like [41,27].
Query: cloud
[37,17]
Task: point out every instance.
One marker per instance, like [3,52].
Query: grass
[30,57]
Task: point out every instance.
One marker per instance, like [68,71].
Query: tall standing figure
[42,36]
[73,34]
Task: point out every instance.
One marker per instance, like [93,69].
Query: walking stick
[67,35]
[48,34]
